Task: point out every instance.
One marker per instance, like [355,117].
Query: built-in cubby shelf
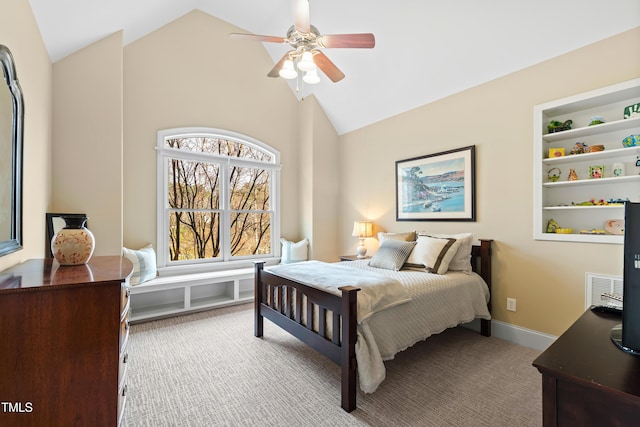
[561,199]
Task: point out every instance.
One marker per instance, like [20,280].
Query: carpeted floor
[207,369]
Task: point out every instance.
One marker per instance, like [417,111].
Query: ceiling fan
[306,42]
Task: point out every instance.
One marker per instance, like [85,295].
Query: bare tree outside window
[197,215]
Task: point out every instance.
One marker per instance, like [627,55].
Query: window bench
[183,293]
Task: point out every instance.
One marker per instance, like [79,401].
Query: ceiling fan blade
[301,16]
[367,40]
[275,71]
[255,37]
[327,67]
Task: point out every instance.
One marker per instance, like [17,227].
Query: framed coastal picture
[437,187]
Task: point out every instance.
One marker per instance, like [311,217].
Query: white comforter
[377,292]
[437,302]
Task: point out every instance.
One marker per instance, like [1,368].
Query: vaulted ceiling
[425,50]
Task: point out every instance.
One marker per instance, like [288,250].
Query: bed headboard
[481,264]
[481,259]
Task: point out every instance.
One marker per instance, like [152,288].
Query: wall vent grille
[597,284]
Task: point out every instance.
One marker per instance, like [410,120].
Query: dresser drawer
[125,291]
[124,331]
[122,368]
[122,399]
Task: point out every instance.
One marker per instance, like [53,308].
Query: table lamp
[362,230]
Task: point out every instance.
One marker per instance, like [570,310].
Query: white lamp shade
[306,62]
[287,71]
[311,77]
[362,229]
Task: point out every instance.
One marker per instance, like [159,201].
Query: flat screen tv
[627,335]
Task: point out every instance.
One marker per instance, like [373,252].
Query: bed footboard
[304,312]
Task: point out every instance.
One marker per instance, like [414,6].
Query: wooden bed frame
[275,300]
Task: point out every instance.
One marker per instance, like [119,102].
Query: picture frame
[437,187]
[54,224]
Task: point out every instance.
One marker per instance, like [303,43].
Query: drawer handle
[127,293]
[126,325]
[124,390]
[125,359]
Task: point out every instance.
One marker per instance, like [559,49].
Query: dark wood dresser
[586,379]
[63,336]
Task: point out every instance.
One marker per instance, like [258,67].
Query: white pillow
[144,264]
[294,252]
[462,259]
[409,236]
[433,253]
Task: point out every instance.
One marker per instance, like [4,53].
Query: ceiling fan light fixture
[306,62]
[311,77]
[288,71]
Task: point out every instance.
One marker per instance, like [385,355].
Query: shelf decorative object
[614,226]
[556,126]
[554,174]
[579,148]
[556,152]
[564,230]
[595,148]
[74,243]
[596,171]
[632,111]
[618,169]
[573,176]
[631,141]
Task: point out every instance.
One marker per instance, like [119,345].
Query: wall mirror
[11,126]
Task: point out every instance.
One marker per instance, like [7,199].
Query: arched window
[217,197]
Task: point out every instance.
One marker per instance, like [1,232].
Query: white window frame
[225,162]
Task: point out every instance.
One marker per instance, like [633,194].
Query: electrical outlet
[511,304]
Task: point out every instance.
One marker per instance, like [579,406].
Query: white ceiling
[425,49]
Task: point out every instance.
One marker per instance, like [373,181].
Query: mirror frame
[9,72]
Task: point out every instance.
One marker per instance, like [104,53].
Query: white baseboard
[521,336]
[516,334]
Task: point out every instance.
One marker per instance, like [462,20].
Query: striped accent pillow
[462,259]
[144,264]
[433,253]
[392,254]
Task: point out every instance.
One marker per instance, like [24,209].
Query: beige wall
[87,135]
[546,278]
[189,73]
[319,181]
[19,32]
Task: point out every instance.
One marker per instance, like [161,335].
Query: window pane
[193,185]
[249,188]
[250,233]
[218,146]
[194,235]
